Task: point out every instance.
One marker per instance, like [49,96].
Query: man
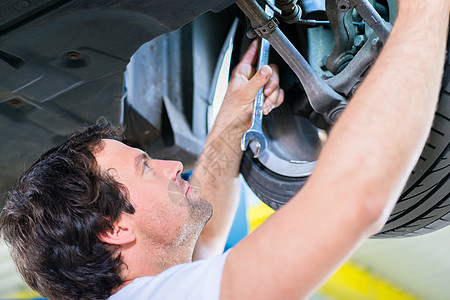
[94,217]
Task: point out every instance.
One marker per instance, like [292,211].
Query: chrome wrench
[254,133]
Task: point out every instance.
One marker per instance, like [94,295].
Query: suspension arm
[322,98]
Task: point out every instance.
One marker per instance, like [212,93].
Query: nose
[171,168]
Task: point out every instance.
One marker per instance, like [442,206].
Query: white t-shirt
[197,280]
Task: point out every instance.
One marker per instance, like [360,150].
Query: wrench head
[254,136]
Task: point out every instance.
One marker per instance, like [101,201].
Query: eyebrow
[138,166]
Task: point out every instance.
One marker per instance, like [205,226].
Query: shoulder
[197,280]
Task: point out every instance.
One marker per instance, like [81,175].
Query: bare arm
[217,170]
[361,170]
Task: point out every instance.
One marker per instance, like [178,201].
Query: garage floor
[421,265]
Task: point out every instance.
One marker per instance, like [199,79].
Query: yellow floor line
[25,295]
[353,282]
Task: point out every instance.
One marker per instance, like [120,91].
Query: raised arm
[360,173]
[217,170]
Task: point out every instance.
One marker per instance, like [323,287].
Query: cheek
[158,204]
[160,223]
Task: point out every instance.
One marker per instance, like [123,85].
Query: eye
[147,166]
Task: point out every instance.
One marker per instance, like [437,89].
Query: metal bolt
[15,102]
[359,40]
[251,34]
[335,113]
[73,55]
[343,5]
[376,43]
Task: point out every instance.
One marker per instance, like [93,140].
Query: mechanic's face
[167,209]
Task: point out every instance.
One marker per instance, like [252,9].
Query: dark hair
[55,213]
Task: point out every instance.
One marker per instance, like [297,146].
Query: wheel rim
[293,144]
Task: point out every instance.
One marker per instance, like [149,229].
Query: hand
[245,83]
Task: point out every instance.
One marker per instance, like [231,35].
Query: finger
[258,81]
[243,71]
[274,81]
[280,98]
[275,100]
[245,66]
[270,102]
[250,55]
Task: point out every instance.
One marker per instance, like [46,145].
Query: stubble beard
[200,210]
[199,213]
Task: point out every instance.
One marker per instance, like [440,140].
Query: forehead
[114,154]
[112,147]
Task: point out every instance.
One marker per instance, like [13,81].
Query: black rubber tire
[424,205]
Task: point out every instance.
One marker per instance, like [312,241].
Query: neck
[151,260]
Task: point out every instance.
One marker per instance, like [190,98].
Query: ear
[122,233]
